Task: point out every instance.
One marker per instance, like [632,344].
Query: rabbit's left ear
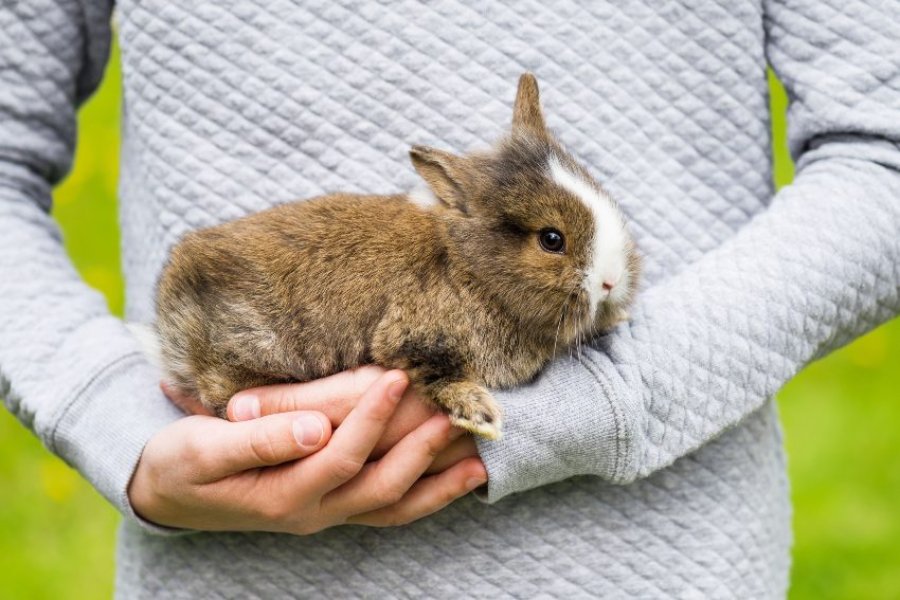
[446,174]
[527,114]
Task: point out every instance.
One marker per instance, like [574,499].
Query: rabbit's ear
[446,174]
[527,115]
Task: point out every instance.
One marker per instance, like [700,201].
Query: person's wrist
[571,421]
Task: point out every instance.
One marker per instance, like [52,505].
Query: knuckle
[270,511]
[388,493]
[449,494]
[284,400]
[195,452]
[263,447]
[432,446]
[346,467]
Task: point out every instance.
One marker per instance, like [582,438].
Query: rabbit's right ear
[446,174]
[527,113]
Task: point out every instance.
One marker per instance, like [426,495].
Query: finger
[335,396]
[353,441]
[462,448]
[187,404]
[428,495]
[384,482]
[412,412]
[264,442]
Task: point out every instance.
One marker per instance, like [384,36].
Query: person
[649,465]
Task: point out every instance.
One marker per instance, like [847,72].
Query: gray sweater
[649,466]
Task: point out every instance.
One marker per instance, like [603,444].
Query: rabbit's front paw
[472,408]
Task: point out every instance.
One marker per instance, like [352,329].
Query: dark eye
[552,240]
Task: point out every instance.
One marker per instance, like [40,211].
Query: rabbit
[507,258]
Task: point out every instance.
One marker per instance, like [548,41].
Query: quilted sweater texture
[649,466]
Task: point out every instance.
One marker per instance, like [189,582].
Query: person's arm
[74,374]
[68,369]
[708,346]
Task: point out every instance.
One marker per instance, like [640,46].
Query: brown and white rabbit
[521,255]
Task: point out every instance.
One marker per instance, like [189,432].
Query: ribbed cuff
[102,431]
[568,422]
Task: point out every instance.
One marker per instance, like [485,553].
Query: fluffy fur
[459,292]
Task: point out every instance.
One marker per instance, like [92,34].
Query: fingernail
[396,389]
[246,408]
[474,482]
[308,431]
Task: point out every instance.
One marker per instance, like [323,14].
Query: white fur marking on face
[608,247]
[422,196]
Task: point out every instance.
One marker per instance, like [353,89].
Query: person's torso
[231,107]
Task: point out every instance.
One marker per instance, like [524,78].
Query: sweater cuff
[570,421]
[103,430]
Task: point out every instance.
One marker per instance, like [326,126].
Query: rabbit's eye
[552,240]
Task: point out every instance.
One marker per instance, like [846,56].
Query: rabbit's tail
[149,341]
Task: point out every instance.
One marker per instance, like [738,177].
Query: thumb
[269,441]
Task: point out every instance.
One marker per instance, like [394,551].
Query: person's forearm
[68,369]
[712,343]
[817,270]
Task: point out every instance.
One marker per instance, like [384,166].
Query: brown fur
[460,295]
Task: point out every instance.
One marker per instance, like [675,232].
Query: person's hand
[336,396]
[207,473]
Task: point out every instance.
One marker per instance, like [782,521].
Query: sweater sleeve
[69,370]
[710,345]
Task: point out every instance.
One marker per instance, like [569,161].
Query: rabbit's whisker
[562,316]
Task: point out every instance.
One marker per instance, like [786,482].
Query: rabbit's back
[291,294]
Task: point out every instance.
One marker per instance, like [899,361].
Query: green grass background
[841,416]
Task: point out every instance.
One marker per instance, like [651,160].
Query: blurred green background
[841,417]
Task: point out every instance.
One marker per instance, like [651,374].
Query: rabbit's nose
[610,281]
